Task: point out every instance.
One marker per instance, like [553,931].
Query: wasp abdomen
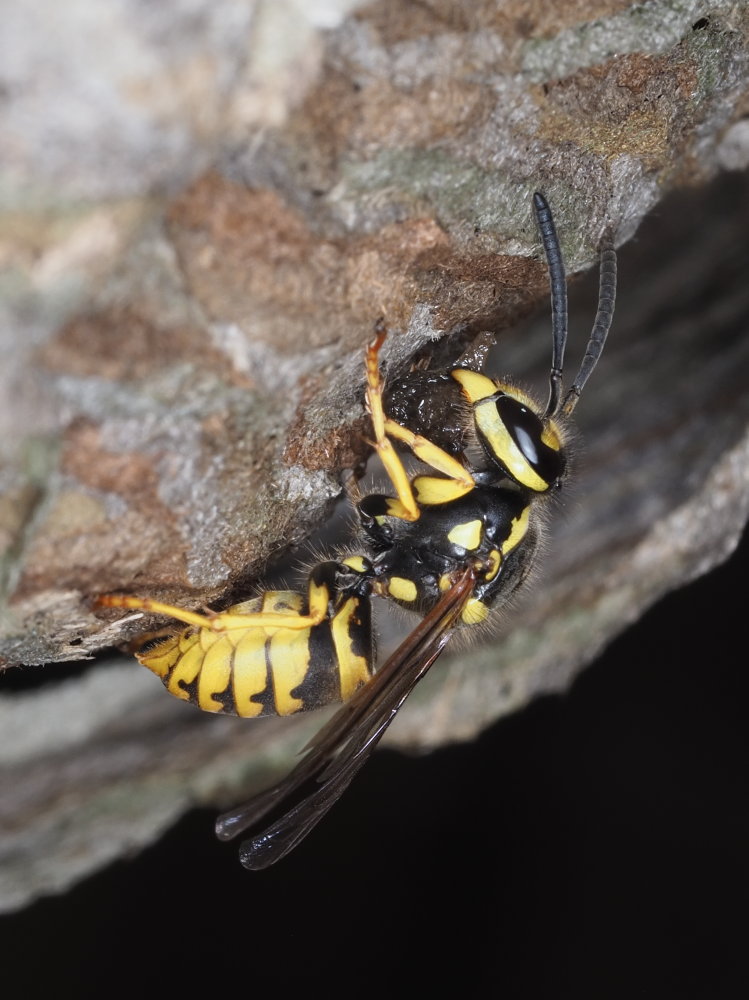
[272,670]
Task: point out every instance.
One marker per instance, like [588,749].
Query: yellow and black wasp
[449,544]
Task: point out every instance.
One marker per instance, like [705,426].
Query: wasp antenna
[601,326]
[558,281]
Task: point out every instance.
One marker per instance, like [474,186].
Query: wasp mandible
[452,542]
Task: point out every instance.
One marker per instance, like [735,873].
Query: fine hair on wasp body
[451,542]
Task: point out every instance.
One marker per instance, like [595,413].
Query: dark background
[594,845]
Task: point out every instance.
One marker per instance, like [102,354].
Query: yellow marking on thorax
[518,530]
[496,561]
[353,669]
[503,446]
[402,589]
[474,612]
[432,490]
[468,534]
[356,563]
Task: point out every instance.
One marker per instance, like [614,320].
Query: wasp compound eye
[529,449]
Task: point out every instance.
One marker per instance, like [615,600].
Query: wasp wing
[335,755]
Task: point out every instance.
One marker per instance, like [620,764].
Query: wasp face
[516,440]
[522,444]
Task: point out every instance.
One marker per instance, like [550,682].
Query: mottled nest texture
[192,269]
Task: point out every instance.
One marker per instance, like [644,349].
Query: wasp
[451,543]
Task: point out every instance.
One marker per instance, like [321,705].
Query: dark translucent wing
[345,743]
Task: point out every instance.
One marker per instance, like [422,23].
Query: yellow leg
[384,429]
[216,621]
[318,596]
[146,604]
[430,454]
[390,457]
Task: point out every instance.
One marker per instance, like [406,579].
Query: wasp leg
[431,454]
[459,481]
[224,621]
[407,508]
[322,589]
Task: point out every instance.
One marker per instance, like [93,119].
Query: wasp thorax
[525,446]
